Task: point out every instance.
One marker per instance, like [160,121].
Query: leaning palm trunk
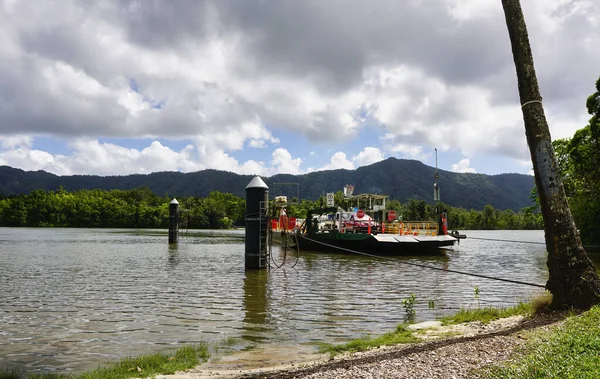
[573,280]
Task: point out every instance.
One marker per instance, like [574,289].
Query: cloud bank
[254,86]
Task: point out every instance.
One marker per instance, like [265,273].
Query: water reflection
[255,304]
[173,257]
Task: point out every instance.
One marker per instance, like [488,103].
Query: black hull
[372,246]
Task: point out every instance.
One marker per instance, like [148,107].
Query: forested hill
[400,179]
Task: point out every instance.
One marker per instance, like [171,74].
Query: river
[72,299]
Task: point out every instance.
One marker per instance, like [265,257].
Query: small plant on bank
[9,374]
[541,303]
[17,374]
[431,304]
[477,296]
[409,308]
[149,365]
[400,335]
[403,335]
[537,305]
[224,345]
[143,366]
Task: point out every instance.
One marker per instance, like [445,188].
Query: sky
[279,86]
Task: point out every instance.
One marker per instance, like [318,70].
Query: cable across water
[429,267]
[528,242]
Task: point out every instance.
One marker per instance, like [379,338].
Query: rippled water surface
[71,299]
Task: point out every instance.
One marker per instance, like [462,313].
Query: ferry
[371,229]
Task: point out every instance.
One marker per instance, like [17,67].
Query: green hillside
[400,179]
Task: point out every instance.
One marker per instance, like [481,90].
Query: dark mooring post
[173,220]
[257,203]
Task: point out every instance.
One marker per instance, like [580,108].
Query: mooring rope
[530,242]
[427,266]
[285,244]
[512,241]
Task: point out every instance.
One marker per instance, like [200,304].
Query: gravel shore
[476,347]
[451,361]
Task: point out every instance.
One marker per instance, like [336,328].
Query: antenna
[436,189]
[437,175]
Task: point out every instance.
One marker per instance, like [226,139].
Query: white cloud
[367,156]
[407,151]
[463,166]
[339,160]
[231,77]
[418,109]
[464,10]
[283,163]
[11,142]
[33,160]
[92,157]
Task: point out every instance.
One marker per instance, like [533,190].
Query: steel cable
[429,267]
[530,242]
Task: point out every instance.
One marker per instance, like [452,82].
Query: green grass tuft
[142,366]
[401,335]
[571,351]
[17,374]
[9,374]
[541,302]
[487,314]
[229,341]
[148,365]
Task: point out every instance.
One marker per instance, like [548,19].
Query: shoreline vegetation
[141,208]
[405,334]
[143,366]
[569,348]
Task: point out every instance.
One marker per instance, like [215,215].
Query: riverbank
[450,350]
[550,344]
[480,346]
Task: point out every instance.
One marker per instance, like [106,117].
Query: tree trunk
[573,280]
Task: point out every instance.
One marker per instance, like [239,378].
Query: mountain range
[401,179]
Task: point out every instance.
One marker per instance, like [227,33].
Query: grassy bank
[401,335]
[537,305]
[570,351]
[142,366]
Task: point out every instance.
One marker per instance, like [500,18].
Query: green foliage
[137,208]
[400,335]
[409,308]
[140,208]
[487,314]
[10,374]
[579,166]
[415,210]
[150,365]
[142,366]
[15,374]
[492,219]
[572,351]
